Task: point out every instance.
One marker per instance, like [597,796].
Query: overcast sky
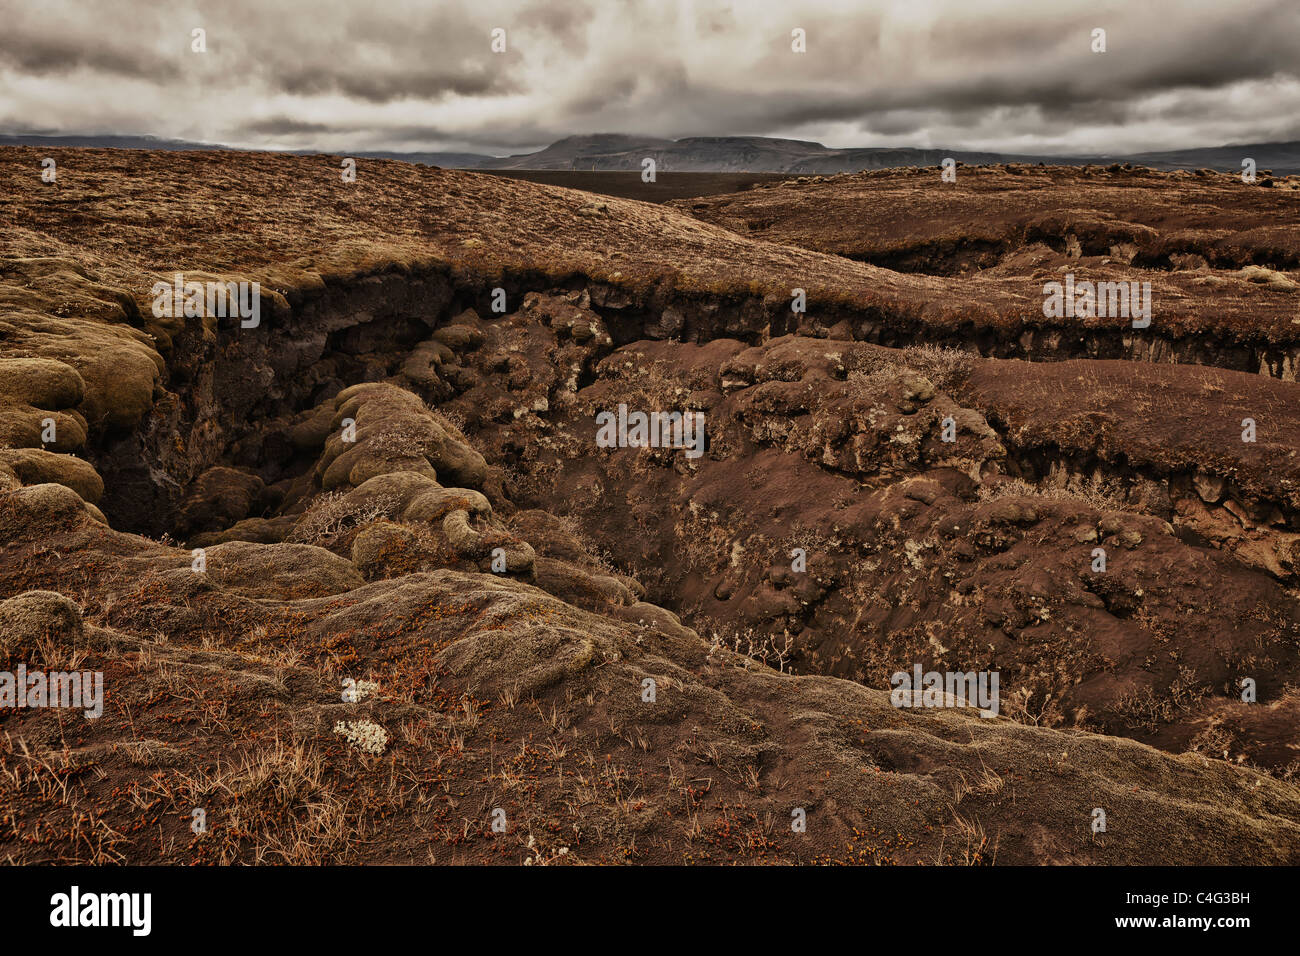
[345,75]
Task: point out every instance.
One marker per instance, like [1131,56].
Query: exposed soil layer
[910,219]
[1206,241]
[631,185]
[393,479]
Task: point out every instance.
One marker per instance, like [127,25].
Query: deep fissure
[222,391]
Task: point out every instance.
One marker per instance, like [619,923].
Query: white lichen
[365,735]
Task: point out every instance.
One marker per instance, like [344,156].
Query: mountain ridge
[610,152]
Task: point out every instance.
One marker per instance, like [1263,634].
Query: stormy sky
[342,75]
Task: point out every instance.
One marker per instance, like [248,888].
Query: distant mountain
[100,142]
[601,151]
[760,154]
[740,154]
[1282,158]
[455,160]
[730,154]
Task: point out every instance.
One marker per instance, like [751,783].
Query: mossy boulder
[35,466]
[284,570]
[41,383]
[37,616]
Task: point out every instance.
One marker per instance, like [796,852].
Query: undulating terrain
[363,587]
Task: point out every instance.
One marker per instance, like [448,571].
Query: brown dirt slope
[1223,256]
[491,694]
[968,555]
[911,218]
[389,482]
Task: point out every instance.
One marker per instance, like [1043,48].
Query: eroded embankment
[235,437]
[222,389]
[376,561]
[978,555]
[391,482]
[1219,254]
[233,396]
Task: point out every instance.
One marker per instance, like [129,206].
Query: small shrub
[398,442]
[946,368]
[331,515]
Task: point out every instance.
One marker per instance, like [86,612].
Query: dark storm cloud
[381,55]
[385,86]
[284,126]
[37,48]
[408,74]
[1228,51]
[1050,64]
[54,55]
[517,138]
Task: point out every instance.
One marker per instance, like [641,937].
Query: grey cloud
[565,24]
[24,51]
[384,86]
[411,75]
[285,126]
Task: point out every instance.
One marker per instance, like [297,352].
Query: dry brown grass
[331,515]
